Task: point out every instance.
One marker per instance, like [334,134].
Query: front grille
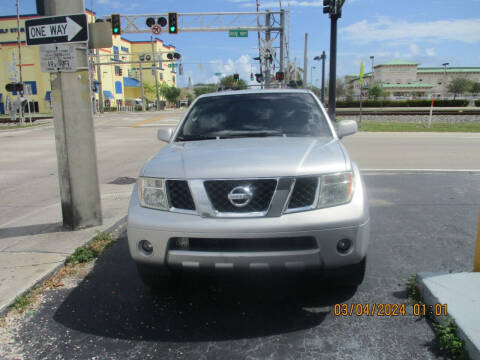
[179,195]
[262,190]
[303,192]
[244,245]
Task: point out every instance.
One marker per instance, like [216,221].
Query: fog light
[182,243]
[146,246]
[344,245]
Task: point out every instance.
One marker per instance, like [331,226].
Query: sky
[429,32]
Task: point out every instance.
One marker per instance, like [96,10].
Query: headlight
[152,194]
[335,189]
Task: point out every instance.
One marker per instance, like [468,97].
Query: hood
[248,157]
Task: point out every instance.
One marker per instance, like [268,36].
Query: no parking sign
[156,29]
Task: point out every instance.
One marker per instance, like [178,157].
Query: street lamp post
[318,58]
[371,59]
[445,79]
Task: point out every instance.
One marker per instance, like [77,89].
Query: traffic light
[180,69]
[259,77]
[251,76]
[116,25]
[279,75]
[150,22]
[236,77]
[172,23]
[13,87]
[171,56]
[120,72]
[328,6]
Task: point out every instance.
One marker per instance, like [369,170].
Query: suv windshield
[254,115]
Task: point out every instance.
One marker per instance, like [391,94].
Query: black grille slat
[180,195]
[303,192]
[239,245]
[262,189]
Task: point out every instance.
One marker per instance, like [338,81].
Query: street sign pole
[74,132]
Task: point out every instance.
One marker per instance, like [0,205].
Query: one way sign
[57,29]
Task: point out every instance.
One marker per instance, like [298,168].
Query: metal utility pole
[20,93]
[259,41]
[323,57]
[445,79]
[305,61]
[334,9]
[282,42]
[332,83]
[267,47]
[141,84]
[74,133]
[100,84]
[157,107]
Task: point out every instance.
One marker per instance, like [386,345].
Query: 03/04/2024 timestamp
[387,309]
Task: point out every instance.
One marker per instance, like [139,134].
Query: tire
[155,278]
[348,276]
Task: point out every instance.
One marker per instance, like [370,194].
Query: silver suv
[252,181]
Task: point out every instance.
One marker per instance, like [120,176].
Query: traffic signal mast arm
[194,22]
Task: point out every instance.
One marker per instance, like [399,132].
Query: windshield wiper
[259,133]
[195,137]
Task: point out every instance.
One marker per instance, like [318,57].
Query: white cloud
[414,49]
[386,29]
[430,52]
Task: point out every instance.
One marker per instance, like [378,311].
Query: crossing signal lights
[176,56]
[172,23]
[150,22]
[328,6]
[279,75]
[162,21]
[13,87]
[116,24]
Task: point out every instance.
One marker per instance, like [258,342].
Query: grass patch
[445,330]
[19,126]
[92,250]
[418,127]
[24,301]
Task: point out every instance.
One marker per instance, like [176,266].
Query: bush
[477,102]
[403,103]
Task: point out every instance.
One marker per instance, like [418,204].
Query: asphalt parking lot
[420,222]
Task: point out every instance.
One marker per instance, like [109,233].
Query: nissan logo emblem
[240,196]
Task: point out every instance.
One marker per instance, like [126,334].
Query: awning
[130,82]
[108,94]
[48,95]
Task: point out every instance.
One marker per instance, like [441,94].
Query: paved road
[28,163]
[419,222]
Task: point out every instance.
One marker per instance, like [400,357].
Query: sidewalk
[35,245]
[461,293]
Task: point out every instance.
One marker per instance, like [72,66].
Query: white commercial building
[402,79]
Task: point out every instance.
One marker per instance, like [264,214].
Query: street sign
[55,58]
[218,74]
[156,29]
[238,33]
[172,65]
[57,29]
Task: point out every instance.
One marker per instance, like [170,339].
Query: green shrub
[477,102]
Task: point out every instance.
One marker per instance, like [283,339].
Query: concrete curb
[436,295]
[55,268]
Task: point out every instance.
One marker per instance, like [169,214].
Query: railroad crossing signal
[333,7]
[12,87]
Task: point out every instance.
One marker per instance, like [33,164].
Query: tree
[171,93]
[458,86]
[190,97]
[201,89]
[475,87]
[229,81]
[374,91]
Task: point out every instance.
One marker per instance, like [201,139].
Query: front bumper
[327,226]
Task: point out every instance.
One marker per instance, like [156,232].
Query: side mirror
[165,134]
[347,127]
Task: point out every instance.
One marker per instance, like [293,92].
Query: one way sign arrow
[57,29]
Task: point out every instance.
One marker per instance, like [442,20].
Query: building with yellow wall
[120,80]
